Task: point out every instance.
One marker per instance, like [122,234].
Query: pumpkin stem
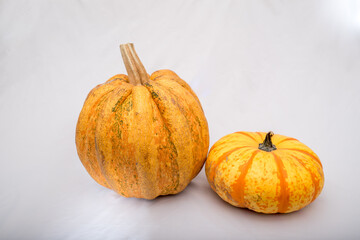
[135,69]
[267,145]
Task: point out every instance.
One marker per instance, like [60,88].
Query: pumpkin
[264,172]
[142,136]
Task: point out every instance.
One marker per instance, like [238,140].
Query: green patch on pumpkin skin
[118,116]
[172,151]
[120,101]
[129,106]
[198,120]
[117,131]
[118,104]
[154,95]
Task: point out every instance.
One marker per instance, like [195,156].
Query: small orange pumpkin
[264,172]
[140,135]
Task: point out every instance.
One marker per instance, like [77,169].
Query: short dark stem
[267,145]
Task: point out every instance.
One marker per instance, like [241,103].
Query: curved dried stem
[135,69]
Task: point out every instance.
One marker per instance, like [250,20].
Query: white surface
[292,67]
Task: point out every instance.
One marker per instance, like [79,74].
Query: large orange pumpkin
[264,172]
[140,135]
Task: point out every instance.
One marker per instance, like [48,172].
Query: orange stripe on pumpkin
[260,134]
[248,135]
[214,166]
[313,178]
[213,147]
[304,152]
[239,185]
[284,191]
[286,139]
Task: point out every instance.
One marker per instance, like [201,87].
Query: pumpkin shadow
[156,201]
[200,189]
[171,197]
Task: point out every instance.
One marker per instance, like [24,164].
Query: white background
[292,67]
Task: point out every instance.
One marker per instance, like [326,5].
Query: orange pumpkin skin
[280,181]
[143,140]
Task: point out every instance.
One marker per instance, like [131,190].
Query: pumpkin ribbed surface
[282,180]
[143,139]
